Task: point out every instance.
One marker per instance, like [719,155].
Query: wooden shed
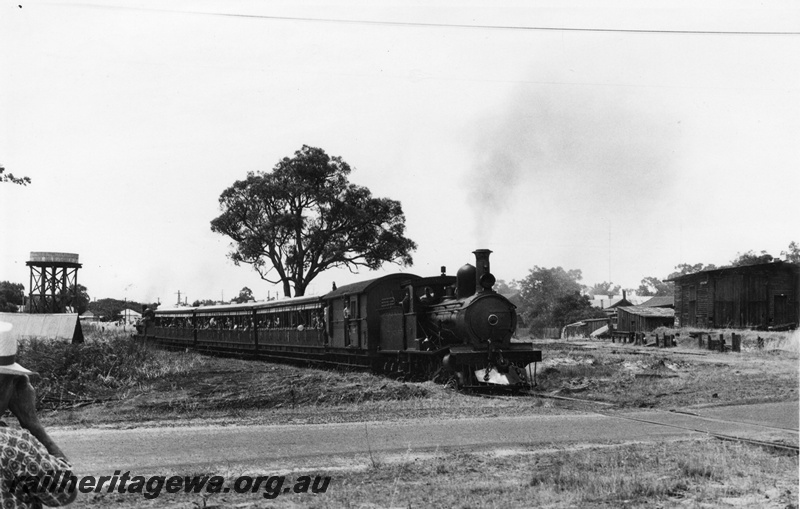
[758,296]
[643,319]
[585,328]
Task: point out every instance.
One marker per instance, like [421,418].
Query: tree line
[13,297]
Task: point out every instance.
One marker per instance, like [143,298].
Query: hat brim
[15,369]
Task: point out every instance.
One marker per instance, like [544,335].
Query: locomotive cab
[423,293]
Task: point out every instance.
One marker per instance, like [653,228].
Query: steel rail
[721,436]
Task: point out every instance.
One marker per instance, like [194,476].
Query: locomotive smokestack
[484,280]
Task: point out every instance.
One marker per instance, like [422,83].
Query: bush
[95,369]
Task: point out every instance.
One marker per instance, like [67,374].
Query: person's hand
[23,405]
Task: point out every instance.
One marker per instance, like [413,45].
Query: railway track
[722,436]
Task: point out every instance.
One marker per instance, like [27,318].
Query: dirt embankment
[183,387]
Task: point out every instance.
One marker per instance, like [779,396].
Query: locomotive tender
[399,324]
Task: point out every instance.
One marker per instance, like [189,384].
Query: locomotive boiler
[442,327]
[474,325]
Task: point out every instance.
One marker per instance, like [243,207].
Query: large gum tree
[304,217]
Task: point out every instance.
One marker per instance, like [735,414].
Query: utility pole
[609,251]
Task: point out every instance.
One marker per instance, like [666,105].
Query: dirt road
[282,447]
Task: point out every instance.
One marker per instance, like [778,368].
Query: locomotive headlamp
[493,320]
[487,281]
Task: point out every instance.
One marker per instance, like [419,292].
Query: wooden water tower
[54,282]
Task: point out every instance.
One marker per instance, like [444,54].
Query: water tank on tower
[54,282]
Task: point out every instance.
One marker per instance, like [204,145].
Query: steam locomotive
[440,327]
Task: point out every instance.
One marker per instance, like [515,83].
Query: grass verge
[704,473]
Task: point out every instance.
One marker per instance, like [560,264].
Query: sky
[619,138]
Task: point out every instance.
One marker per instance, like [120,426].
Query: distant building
[659,302]
[610,306]
[612,301]
[759,296]
[643,319]
[129,316]
[589,327]
[88,316]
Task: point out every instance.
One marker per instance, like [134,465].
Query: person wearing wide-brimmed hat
[27,454]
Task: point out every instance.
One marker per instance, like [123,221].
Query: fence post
[736,342]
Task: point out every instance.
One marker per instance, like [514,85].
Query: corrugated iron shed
[62,326]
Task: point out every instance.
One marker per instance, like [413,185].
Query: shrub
[95,369]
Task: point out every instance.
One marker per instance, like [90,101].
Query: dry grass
[137,383]
[686,474]
[615,374]
[104,366]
